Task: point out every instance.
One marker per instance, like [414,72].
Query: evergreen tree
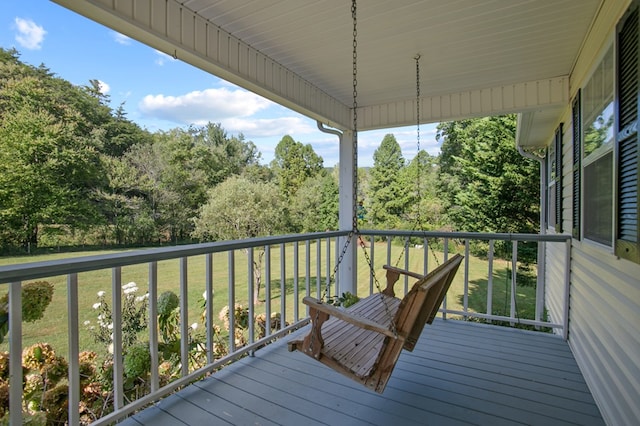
[485,184]
[387,199]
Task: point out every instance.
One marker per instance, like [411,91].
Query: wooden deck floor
[459,373]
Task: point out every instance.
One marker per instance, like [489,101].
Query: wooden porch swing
[364,341]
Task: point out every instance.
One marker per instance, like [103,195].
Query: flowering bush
[134,317]
[45,386]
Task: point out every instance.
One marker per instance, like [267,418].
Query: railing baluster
[250,295]
[116,323]
[307,271]
[15,353]
[372,247]
[208,284]
[74,350]
[184,317]
[153,325]
[283,286]
[446,257]
[336,256]
[267,287]
[388,250]
[232,300]
[514,270]
[490,279]
[465,302]
[296,301]
[327,291]
[318,268]
[425,256]
[406,264]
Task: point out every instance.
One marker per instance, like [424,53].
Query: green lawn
[53,327]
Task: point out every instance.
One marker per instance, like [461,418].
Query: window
[627,159]
[597,154]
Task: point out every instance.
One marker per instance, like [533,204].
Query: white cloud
[200,107]
[121,38]
[30,35]
[104,87]
[267,127]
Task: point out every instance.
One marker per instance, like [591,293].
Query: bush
[36,297]
[137,361]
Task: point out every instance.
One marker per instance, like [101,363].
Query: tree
[167,175]
[238,209]
[219,155]
[48,169]
[485,184]
[419,178]
[387,194]
[294,163]
[315,205]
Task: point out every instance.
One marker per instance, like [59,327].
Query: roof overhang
[477,58]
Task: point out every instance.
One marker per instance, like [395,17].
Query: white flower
[110,348]
[142,298]
[87,322]
[96,305]
[131,289]
[101,293]
[194,325]
[130,285]
[110,326]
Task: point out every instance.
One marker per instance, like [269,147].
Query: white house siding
[604,330]
[604,313]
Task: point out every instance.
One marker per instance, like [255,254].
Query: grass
[53,328]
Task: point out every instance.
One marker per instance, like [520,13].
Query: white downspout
[346,278]
[540,286]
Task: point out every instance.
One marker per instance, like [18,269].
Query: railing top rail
[35,270]
[469,235]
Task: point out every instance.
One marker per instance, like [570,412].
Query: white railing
[317,252]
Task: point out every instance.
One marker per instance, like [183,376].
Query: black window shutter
[627,232]
[558,143]
[576,123]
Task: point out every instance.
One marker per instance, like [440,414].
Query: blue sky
[160,93]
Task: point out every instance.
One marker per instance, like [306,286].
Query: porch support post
[347,269]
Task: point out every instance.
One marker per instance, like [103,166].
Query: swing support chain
[355,230]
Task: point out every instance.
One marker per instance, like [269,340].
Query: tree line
[76,171]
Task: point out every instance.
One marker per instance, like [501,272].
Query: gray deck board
[459,374]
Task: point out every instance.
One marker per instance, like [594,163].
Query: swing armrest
[393,275]
[403,272]
[347,316]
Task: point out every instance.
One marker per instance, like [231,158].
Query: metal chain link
[418,220]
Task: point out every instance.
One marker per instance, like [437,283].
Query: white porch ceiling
[478,57]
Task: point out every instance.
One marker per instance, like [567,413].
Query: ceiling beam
[512,98]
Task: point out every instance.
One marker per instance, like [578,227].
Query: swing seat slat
[360,341]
